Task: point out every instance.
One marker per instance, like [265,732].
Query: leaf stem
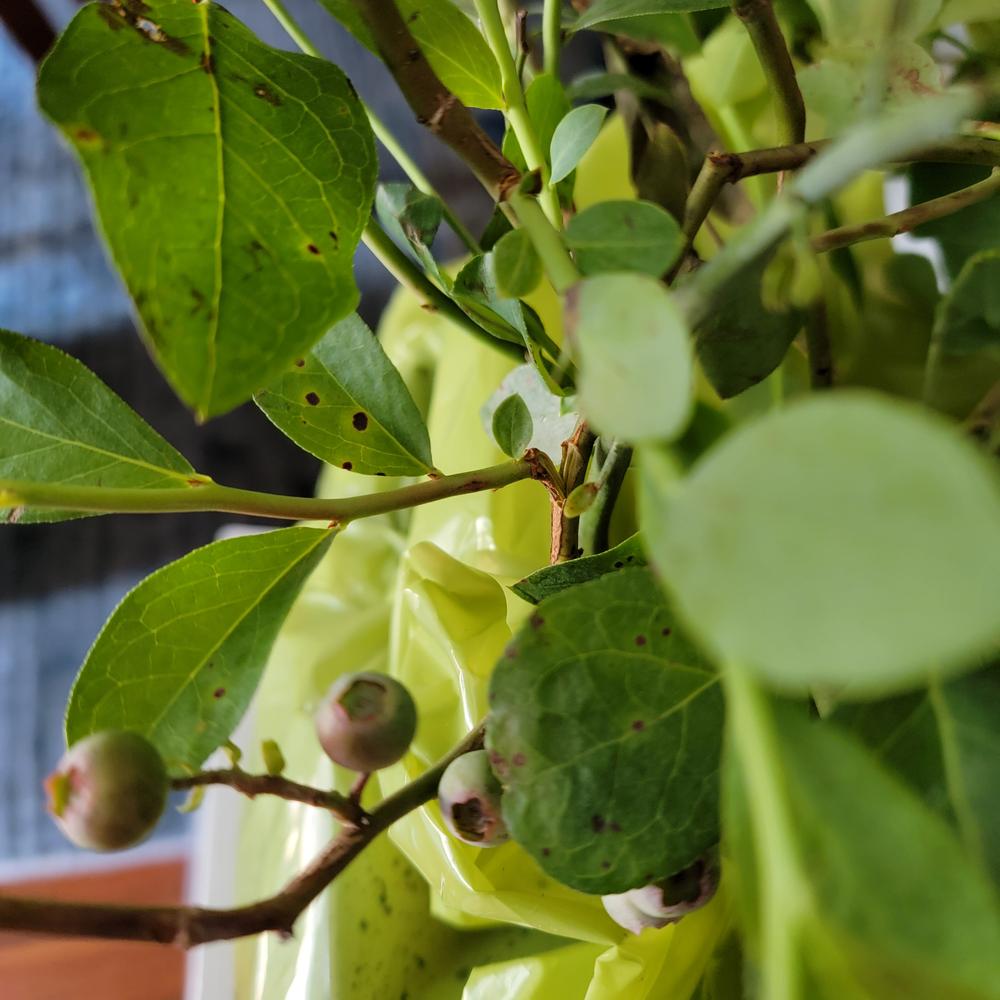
[765,33]
[784,893]
[214,497]
[516,108]
[552,35]
[186,926]
[612,477]
[547,241]
[410,276]
[908,218]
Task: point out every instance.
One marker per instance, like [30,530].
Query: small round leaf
[512,426]
[624,236]
[517,265]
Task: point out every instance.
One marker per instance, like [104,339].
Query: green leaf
[412,219]
[232,181]
[968,317]
[616,10]
[945,742]
[847,540]
[605,729]
[59,423]
[894,906]
[573,136]
[179,659]
[636,375]
[477,291]
[512,426]
[675,32]
[346,404]
[739,343]
[598,84]
[551,580]
[547,105]
[518,267]
[624,236]
[452,44]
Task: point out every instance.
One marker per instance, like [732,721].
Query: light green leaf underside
[346,404]
[449,40]
[573,136]
[636,375]
[60,424]
[849,540]
[180,657]
[232,182]
[617,10]
[605,729]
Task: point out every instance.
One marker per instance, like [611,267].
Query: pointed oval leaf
[180,657]
[232,181]
[968,317]
[512,426]
[849,540]
[449,40]
[518,267]
[605,729]
[346,404]
[59,423]
[617,10]
[624,236]
[573,136]
[636,376]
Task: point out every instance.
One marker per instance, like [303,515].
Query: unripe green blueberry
[666,901]
[108,791]
[366,721]
[469,795]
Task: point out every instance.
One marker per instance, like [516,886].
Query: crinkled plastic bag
[424,596]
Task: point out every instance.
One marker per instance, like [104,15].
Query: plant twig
[551,35]
[908,218]
[203,495]
[251,785]
[434,105]
[546,240]
[765,33]
[186,926]
[613,471]
[819,350]
[573,470]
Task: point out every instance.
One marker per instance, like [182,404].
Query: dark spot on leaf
[413,17]
[348,466]
[605,865]
[630,559]
[360,420]
[536,621]
[546,851]
[519,760]
[218,692]
[335,238]
[379,473]
[510,652]
[312,399]
[84,134]
[261,91]
[640,640]
[619,564]
[313,249]
[363,924]
[208,63]
[300,362]
[597,823]
[638,725]
[665,631]
[616,827]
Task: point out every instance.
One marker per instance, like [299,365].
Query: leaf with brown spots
[614,745]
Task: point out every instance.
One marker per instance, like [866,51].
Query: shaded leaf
[616,10]
[59,423]
[945,742]
[551,580]
[573,136]
[848,540]
[518,267]
[636,377]
[179,659]
[512,426]
[232,181]
[599,84]
[412,219]
[346,404]
[605,730]
[968,317]
[476,290]
[739,343]
[624,236]
[452,44]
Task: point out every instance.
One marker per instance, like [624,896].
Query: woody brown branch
[434,105]
[187,926]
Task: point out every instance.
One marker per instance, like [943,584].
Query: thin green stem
[908,218]
[597,521]
[772,52]
[382,133]
[410,276]
[547,241]
[516,108]
[784,891]
[210,496]
[552,35]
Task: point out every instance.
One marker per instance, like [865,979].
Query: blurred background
[59,582]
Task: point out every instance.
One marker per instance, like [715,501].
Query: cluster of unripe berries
[110,790]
